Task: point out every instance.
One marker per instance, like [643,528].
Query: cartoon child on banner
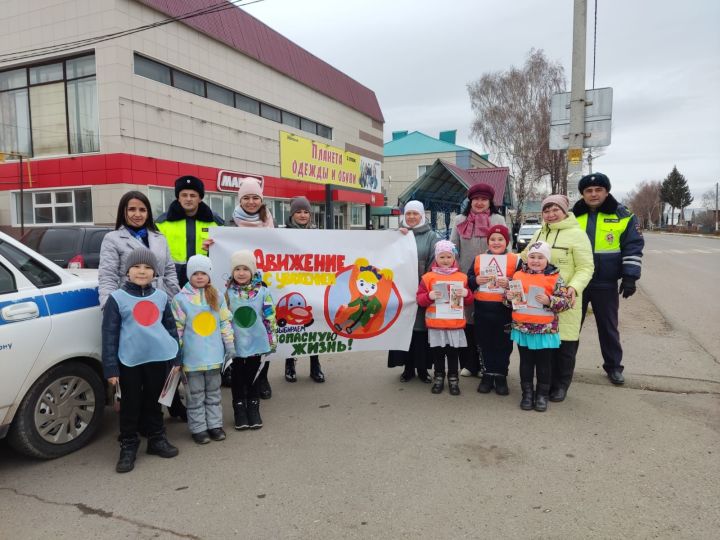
[370,290]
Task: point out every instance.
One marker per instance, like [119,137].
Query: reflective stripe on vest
[203,346]
[547,285]
[251,336]
[143,338]
[176,234]
[608,229]
[432,319]
[505,264]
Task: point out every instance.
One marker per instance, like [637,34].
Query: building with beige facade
[106,96]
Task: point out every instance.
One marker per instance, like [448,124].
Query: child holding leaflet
[255,332]
[535,322]
[139,344]
[443,291]
[488,278]
[206,336]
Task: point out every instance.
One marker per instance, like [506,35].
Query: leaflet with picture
[449,304]
[517,294]
[492,265]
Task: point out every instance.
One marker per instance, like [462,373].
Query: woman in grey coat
[470,236]
[418,357]
[134,227]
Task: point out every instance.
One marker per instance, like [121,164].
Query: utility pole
[577,98]
[716,206]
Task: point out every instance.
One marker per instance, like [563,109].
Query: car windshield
[529,229]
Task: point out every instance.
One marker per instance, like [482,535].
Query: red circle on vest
[146,313]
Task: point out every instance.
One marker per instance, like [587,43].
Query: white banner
[334,290]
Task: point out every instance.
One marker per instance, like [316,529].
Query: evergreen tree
[675,193]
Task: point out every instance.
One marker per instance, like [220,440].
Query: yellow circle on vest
[204,324]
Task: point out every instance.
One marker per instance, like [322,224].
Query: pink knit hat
[445,246]
[559,200]
[250,186]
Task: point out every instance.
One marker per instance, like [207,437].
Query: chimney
[398,135]
[448,136]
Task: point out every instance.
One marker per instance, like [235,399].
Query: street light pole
[577,98]
[716,206]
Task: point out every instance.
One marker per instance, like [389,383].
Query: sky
[662,59]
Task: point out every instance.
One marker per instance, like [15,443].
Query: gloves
[627,287]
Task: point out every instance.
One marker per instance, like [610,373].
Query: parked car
[525,234]
[52,390]
[68,247]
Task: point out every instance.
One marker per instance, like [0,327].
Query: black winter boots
[486,384]
[253,414]
[158,445]
[241,417]
[438,382]
[128,452]
[316,373]
[541,397]
[527,402]
[501,386]
[290,375]
[454,385]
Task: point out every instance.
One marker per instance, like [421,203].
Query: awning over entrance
[444,186]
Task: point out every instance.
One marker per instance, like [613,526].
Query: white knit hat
[244,257]
[541,247]
[415,206]
[198,263]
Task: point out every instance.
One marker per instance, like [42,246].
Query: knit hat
[141,255]
[299,203]
[445,246]
[415,206]
[560,200]
[244,257]
[250,186]
[189,182]
[500,229]
[595,179]
[481,190]
[198,263]
[541,247]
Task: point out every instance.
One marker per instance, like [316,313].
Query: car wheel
[60,413]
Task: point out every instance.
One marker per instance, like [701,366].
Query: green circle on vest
[245,316]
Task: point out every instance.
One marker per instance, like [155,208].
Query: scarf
[444,271]
[476,224]
[243,219]
[140,234]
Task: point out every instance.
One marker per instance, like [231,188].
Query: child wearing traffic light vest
[488,279]
[535,322]
[139,346]
[443,291]
[206,337]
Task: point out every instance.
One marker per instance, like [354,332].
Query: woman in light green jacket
[572,255]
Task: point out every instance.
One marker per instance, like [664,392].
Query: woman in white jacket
[134,227]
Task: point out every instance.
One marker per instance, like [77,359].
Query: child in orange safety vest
[535,322]
[488,278]
[444,292]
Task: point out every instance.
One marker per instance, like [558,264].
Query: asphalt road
[682,275]
[365,456]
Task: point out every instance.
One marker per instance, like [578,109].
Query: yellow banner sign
[312,161]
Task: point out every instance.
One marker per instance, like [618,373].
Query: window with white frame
[422,169]
[357,215]
[60,207]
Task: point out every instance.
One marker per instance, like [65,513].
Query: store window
[247,104]
[357,215]
[422,169]
[152,70]
[61,207]
[291,119]
[188,83]
[270,112]
[220,94]
[324,131]
[50,109]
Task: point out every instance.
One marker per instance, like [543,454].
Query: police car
[52,390]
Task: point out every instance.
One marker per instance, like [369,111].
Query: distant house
[443,189]
[408,156]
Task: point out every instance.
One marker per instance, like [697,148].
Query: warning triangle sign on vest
[494,264]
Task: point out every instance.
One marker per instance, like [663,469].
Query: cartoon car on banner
[292,309]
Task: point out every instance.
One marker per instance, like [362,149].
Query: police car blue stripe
[58,303]
[63,302]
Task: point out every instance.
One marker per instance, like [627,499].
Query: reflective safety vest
[608,229]
[203,347]
[485,294]
[539,282]
[176,234]
[439,321]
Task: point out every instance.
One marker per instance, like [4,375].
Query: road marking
[681,251]
[701,251]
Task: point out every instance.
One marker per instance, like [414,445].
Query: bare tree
[512,120]
[645,202]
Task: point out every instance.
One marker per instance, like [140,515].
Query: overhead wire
[61,47]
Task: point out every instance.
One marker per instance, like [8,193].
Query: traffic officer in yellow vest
[187,223]
[617,244]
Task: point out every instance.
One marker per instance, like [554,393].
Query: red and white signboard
[231,180]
